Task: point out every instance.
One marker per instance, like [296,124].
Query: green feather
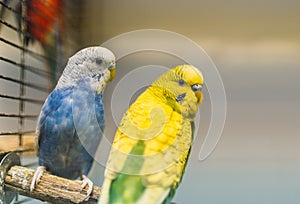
[129,188]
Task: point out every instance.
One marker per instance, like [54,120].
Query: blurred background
[256,48]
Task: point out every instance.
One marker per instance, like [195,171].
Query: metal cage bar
[21,67]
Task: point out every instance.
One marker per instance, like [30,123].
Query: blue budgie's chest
[71,125]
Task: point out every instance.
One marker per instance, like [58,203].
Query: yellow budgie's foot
[37,176]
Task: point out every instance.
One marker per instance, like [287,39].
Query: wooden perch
[51,188]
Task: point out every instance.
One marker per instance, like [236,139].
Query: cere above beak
[112,69]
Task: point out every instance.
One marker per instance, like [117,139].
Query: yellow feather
[164,126]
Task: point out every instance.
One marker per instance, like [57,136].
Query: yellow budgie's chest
[166,135]
[155,123]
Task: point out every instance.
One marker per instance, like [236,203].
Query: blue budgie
[71,121]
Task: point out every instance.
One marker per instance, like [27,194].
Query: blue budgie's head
[93,65]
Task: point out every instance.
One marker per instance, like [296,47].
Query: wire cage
[36,38]
[24,80]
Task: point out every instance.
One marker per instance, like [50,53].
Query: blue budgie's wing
[88,118]
[55,129]
[70,127]
[49,112]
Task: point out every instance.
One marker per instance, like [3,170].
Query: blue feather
[71,125]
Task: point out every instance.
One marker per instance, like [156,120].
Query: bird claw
[37,177]
[87,181]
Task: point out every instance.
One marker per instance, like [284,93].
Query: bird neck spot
[180,97]
[97,76]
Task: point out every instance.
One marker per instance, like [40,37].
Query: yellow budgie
[153,141]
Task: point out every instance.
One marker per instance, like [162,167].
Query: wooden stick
[51,188]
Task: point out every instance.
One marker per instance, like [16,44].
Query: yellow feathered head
[181,88]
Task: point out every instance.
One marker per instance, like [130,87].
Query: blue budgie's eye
[196,87]
[99,61]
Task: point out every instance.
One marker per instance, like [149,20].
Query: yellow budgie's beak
[199,96]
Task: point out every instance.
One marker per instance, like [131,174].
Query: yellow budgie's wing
[183,162]
[163,184]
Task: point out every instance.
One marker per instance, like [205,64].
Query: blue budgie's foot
[87,181]
[37,176]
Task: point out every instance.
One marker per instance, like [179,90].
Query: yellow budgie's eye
[196,87]
[181,82]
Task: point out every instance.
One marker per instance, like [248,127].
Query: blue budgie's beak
[112,69]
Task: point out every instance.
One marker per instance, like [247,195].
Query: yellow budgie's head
[181,88]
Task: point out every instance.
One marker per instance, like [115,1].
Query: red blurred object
[44,17]
[44,23]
